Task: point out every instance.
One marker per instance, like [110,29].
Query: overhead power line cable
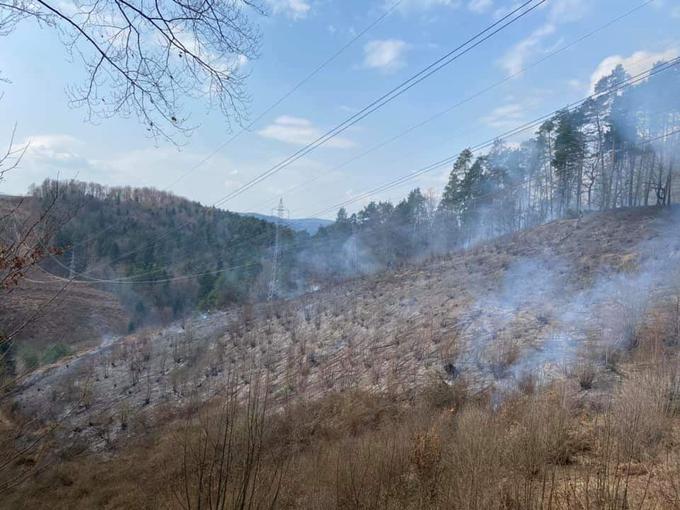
[314,243]
[442,62]
[512,132]
[654,70]
[462,49]
[320,67]
[290,92]
[470,98]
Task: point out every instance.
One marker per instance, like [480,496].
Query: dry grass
[362,450]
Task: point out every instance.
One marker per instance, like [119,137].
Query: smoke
[546,315]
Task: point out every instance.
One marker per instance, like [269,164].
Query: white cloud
[67,157]
[294,9]
[559,12]
[636,63]
[567,11]
[480,6]
[506,116]
[385,55]
[56,150]
[299,131]
[407,6]
[514,60]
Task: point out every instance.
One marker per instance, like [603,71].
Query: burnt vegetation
[510,344]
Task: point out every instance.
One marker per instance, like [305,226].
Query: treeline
[617,149]
[143,242]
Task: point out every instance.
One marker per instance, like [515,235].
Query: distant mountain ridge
[309,225]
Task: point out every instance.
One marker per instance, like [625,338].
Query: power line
[123,281]
[515,131]
[432,68]
[391,95]
[294,89]
[313,243]
[470,98]
[656,69]
[270,108]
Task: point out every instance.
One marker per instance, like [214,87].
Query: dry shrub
[223,462]
[642,410]
[439,394]
[426,459]
[335,416]
[372,472]
[585,373]
[502,355]
[539,436]
[394,466]
[472,460]
[604,482]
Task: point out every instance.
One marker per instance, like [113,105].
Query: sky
[518,75]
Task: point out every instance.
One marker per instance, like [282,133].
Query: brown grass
[362,450]
[607,436]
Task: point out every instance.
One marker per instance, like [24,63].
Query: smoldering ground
[545,317]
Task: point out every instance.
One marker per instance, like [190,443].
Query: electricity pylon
[280,213]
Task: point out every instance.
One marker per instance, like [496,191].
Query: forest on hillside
[166,256]
[140,242]
[618,148]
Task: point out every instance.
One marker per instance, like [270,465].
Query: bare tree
[24,243]
[149,58]
[226,460]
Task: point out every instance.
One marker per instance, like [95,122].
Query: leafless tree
[24,236]
[150,58]
[22,247]
[225,461]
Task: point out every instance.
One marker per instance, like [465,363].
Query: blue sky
[297,36]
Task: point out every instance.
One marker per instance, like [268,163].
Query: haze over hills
[309,225]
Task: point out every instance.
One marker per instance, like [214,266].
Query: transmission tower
[355,255]
[280,213]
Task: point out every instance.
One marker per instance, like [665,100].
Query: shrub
[29,357]
[55,352]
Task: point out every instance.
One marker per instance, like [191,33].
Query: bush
[29,357]
[54,353]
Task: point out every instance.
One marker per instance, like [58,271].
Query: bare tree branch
[151,58]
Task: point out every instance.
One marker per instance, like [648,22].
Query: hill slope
[514,361]
[145,242]
[526,303]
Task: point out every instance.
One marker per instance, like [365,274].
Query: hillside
[526,304]
[508,297]
[66,317]
[481,310]
[135,242]
[534,307]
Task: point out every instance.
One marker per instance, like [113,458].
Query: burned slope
[45,316]
[57,312]
[530,305]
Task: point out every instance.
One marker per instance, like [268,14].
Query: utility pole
[280,213]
